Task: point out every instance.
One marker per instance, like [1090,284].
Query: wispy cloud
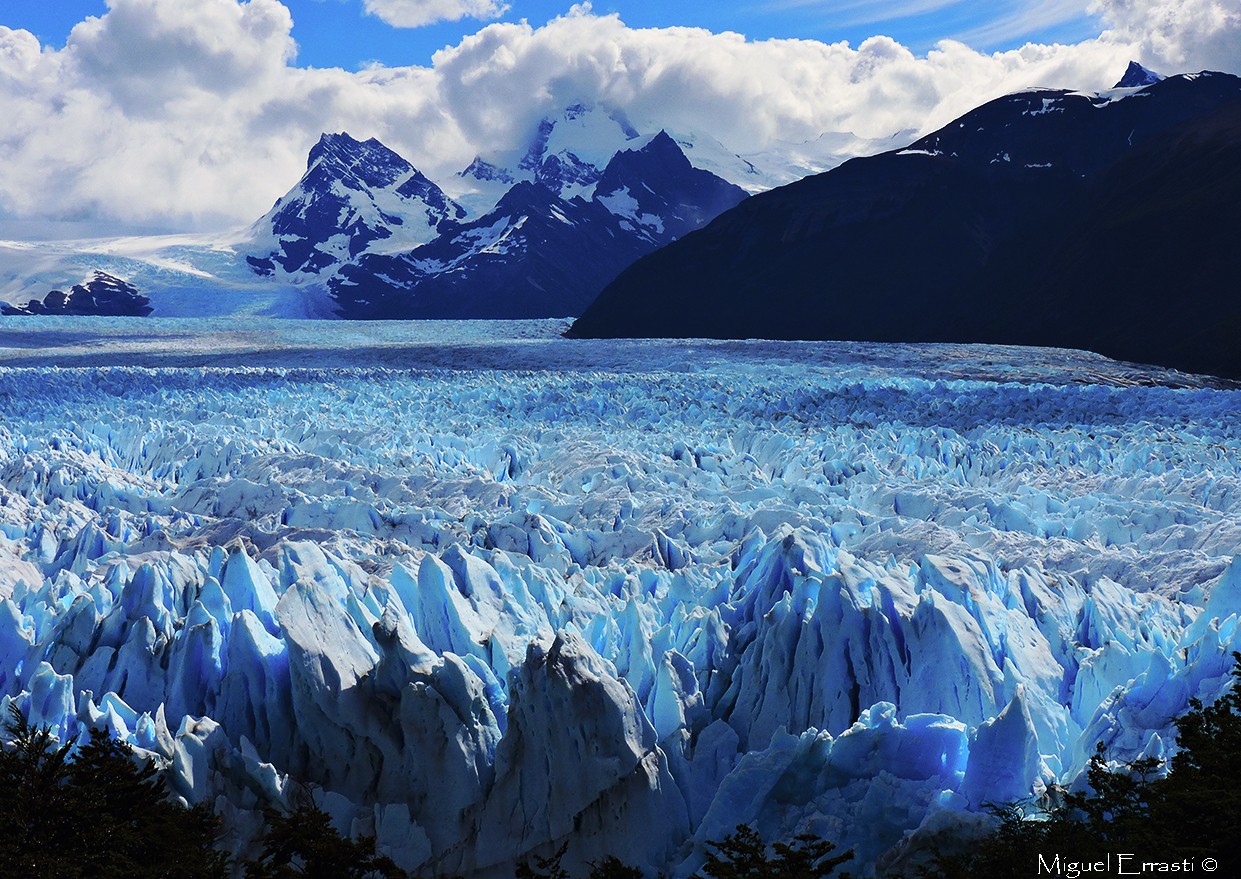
[1024,20]
[859,12]
[984,23]
[417,13]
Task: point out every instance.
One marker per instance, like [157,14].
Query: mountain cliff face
[537,253]
[661,195]
[349,239]
[1047,217]
[1136,75]
[353,194]
[553,225]
[103,296]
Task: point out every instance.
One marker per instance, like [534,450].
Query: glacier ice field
[478,590]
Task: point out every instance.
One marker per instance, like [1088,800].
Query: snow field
[478,612]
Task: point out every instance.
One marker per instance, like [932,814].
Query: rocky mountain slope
[1048,217]
[538,253]
[101,295]
[350,238]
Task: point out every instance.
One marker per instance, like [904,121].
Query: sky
[353,33]
[197,114]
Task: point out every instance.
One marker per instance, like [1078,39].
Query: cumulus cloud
[745,93]
[1186,35]
[144,53]
[184,113]
[416,13]
[191,113]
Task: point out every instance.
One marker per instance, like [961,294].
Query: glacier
[479,590]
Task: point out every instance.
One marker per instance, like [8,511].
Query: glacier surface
[524,589]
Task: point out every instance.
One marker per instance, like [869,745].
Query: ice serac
[479,613]
[864,789]
[579,763]
[355,195]
[1131,189]
[1004,764]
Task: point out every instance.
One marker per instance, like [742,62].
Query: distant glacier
[480,590]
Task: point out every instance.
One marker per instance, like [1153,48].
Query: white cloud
[1015,21]
[190,113]
[416,13]
[745,93]
[185,113]
[1187,35]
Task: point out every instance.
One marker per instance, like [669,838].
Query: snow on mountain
[1137,76]
[101,295]
[659,194]
[569,151]
[782,162]
[1080,133]
[355,196]
[538,253]
[360,204]
[620,594]
[566,154]
[1045,217]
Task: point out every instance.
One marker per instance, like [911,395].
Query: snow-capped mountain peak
[1136,76]
[593,134]
[540,252]
[656,189]
[341,157]
[360,206]
[355,196]
[566,154]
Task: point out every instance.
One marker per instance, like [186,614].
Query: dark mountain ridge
[342,194]
[103,295]
[1048,217]
[537,254]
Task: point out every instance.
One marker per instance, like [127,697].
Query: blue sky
[338,33]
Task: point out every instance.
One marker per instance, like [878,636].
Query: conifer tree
[743,855]
[304,845]
[95,811]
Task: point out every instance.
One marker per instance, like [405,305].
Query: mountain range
[1048,217]
[529,232]
[537,253]
[1100,221]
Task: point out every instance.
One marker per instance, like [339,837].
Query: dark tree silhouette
[545,868]
[97,811]
[303,844]
[1191,813]
[1200,801]
[743,855]
[613,867]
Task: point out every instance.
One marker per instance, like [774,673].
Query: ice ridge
[478,614]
